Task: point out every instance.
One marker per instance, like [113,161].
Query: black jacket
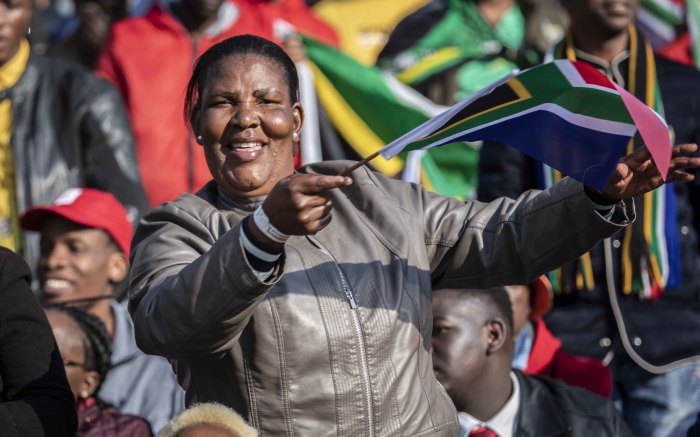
[655,334]
[551,408]
[35,399]
[70,129]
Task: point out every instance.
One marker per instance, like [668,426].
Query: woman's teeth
[246,145]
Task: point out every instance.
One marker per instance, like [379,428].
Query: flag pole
[357,165]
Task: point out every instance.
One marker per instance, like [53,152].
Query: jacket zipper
[360,338]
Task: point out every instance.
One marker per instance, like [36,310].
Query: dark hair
[237,46]
[98,351]
[497,297]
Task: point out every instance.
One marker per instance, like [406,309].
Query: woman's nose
[246,116]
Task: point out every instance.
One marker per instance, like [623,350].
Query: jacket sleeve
[108,145]
[192,292]
[480,245]
[515,241]
[36,398]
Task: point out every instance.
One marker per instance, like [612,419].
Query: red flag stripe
[592,76]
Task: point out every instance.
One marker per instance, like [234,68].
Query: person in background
[85,348]
[538,352]
[208,420]
[633,301]
[36,399]
[89,30]
[472,349]
[149,59]
[85,238]
[60,127]
[301,298]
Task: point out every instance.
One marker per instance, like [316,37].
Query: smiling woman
[246,120]
[302,299]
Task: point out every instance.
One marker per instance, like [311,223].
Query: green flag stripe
[374,102]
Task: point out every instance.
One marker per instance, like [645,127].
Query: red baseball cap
[540,297]
[87,207]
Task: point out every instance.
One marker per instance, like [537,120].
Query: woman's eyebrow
[264,91]
[224,93]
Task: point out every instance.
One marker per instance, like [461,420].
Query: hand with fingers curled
[300,204]
[637,173]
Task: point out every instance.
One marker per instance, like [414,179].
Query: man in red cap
[84,254]
[539,352]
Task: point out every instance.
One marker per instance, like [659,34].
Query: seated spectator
[472,346]
[85,237]
[60,127]
[35,397]
[208,420]
[84,345]
[538,352]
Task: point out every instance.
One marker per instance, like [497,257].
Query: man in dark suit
[472,347]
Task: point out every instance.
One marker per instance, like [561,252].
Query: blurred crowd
[100,117]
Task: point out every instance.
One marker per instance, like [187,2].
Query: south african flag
[565,114]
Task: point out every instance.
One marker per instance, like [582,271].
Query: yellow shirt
[10,234]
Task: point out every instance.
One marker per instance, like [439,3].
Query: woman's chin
[244,187]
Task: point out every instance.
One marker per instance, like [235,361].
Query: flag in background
[565,114]
[673,27]
[693,23]
[369,109]
[660,20]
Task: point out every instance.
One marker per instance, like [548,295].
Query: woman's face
[247,123]
[14,19]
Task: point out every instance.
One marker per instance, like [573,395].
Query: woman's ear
[298,114]
[496,333]
[89,384]
[194,123]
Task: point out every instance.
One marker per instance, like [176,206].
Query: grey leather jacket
[337,341]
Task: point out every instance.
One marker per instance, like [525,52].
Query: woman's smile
[244,152]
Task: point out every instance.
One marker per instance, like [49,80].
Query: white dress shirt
[502,423]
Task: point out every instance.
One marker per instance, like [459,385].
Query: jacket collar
[231,203]
[538,409]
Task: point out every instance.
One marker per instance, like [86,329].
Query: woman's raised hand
[637,174]
[300,203]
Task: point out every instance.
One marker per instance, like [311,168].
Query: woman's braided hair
[98,351]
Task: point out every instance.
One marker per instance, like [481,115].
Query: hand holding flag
[637,174]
